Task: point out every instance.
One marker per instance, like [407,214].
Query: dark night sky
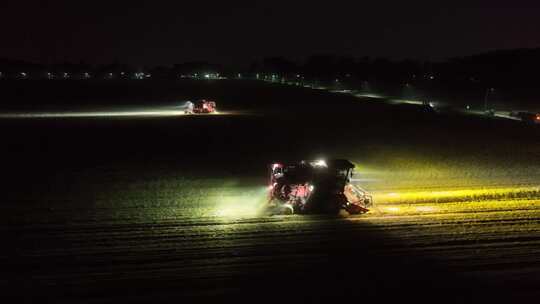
[165,32]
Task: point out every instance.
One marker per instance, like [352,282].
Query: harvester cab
[315,187]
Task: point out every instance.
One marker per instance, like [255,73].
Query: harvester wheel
[287,209]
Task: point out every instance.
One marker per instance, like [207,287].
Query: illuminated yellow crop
[456,207]
[461,195]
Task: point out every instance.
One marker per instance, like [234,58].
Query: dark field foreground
[164,208]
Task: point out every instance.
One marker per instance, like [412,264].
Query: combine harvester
[315,187]
[201,107]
